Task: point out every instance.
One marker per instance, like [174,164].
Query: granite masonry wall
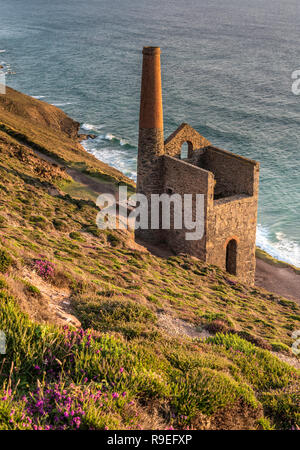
[233,218]
[185,133]
[233,173]
[181,177]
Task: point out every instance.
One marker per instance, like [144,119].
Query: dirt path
[179,328]
[96,185]
[280,280]
[57,300]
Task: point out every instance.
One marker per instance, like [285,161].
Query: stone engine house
[228,181]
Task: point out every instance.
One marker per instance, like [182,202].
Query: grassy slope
[47,129]
[127,372]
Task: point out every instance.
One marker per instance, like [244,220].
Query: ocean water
[226,65]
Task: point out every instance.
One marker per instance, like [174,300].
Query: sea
[227,68]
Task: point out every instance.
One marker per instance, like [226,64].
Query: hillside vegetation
[48,129]
[100,333]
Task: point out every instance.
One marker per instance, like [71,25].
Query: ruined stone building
[228,181]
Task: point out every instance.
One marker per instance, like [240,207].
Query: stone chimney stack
[151,112]
[151,135]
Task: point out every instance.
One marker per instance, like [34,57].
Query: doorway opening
[231,256]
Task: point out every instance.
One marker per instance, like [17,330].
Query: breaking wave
[61,104]
[90,127]
[117,152]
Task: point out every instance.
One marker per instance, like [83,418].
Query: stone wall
[233,173]
[233,218]
[185,133]
[180,177]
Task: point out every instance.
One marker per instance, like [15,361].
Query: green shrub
[76,236]
[38,221]
[280,347]
[283,407]
[60,225]
[113,239]
[206,391]
[32,290]
[110,314]
[5,261]
[127,311]
[3,222]
[3,284]
[264,424]
[258,366]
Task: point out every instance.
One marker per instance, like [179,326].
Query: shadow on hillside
[45,185]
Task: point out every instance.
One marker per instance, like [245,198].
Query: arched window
[184,151]
[231,256]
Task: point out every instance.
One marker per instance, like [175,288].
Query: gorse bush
[284,406]
[206,390]
[119,311]
[124,316]
[251,359]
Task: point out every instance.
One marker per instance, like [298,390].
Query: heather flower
[77,421]
[44,268]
